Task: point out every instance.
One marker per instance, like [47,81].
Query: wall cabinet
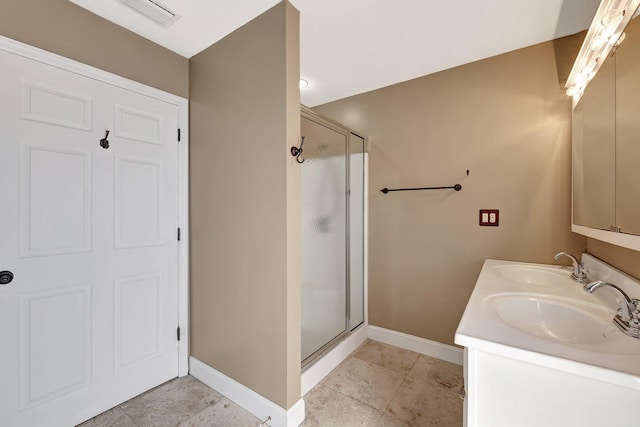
[627,63]
[606,149]
[594,152]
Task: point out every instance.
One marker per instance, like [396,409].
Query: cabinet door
[628,132]
[594,152]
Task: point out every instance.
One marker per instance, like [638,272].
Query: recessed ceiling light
[154,10]
[303,83]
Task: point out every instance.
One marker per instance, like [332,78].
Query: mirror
[606,148]
[594,152]
[627,63]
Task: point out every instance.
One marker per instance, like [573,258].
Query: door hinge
[178,333]
[178,134]
[178,234]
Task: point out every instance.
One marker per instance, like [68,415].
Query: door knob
[5,277]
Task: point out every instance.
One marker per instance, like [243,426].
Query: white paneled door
[89,231]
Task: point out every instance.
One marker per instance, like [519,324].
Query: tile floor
[377,386]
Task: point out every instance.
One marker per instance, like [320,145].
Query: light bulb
[599,41]
[581,80]
[303,83]
[612,19]
[610,23]
[589,69]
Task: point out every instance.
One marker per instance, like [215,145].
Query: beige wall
[293,211]
[623,259]
[245,206]
[566,50]
[61,27]
[507,120]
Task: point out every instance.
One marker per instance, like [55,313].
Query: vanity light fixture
[303,83]
[609,23]
[604,35]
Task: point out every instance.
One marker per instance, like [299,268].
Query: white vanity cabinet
[509,391]
[540,351]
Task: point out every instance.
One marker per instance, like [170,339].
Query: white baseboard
[263,408]
[430,348]
[256,404]
[320,369]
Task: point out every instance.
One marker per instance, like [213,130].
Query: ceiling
[353,46]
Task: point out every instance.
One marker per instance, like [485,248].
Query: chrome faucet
[579,273]
[628,317]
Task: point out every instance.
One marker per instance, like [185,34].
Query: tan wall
[508,121]
[566,50]
[61,27]
[245,206]
[293,218]
[623,259]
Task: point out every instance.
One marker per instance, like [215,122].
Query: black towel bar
[456,187]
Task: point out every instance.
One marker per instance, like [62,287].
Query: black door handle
[5,277]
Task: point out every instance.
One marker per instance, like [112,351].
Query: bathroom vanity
[541,351]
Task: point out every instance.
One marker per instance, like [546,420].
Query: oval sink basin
[534,275]
[555,320]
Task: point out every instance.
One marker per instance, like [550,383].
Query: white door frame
[36,54]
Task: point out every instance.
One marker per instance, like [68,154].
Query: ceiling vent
[154,10]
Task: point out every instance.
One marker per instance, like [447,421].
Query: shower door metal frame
[363,206]
[310,115]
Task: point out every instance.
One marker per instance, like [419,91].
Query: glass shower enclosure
[332,200]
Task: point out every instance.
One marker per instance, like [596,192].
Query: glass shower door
[324,236]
